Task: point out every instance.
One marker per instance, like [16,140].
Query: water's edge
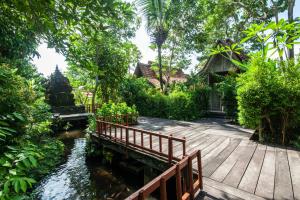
[78,179]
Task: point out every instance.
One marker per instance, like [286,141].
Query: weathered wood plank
[227,165]
[212,165]
[230,190]
[215,152]
[251,170]
[250,178]
[265,185]
[294,161]
[214,193]
[202,139]
[212,146]
[235,175]
[283,182]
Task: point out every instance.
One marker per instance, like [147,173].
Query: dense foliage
[24,133]
[181,103]
[228,88]
[268,92]
[269,100]
[27,149]
[95,38]
[114,109]
[119,113]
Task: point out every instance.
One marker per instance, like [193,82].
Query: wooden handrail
[175,171]
[137,138]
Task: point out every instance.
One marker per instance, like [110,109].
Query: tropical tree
[204,21]
[291,5]
[157,13]
[104,60]
[26,149]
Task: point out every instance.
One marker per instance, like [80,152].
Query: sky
[49,58]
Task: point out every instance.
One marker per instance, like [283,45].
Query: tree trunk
[105,94]
[169,71]
[260,131]
[284,128]
[271,128]
[275,9]
[160,68]
[94,94]
[291,4]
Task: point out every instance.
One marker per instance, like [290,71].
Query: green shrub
[228,88]
[181,106]
[182,103]
[26,151]
[111,109]
[23,165]
[114,110]
[269,99]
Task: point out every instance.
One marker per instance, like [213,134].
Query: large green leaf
[23,185]
[16,183]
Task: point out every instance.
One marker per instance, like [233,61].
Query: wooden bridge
[233,166]
[187,185]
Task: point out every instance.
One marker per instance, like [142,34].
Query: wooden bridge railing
[151,142]
[126,119]
[186,184]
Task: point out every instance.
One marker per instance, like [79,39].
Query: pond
[78,179]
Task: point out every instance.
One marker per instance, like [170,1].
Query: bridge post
[190,174]
[178,182]
[127,137]
[183,147]
[163,189]
[170,150]
[200,169]
[141,195]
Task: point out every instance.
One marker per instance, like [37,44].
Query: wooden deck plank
[214,194]
[193,145]
[250,178]
[195,139]
[188,133]
[212,146]
[265,185]
[212,154]
[283,182]
[230,190]
[235,175]
[222,171]
[294,161]
[212,165]
[242,170]
[202,139]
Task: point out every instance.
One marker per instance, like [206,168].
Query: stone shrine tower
[59,94]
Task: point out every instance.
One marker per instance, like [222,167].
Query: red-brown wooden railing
[186,185]
[126,119]
[138,138]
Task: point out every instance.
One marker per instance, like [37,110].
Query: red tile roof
[144,70]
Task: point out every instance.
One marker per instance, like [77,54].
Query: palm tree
[157,13]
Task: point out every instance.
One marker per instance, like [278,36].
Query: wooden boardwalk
[233,166]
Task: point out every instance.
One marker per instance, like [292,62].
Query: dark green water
[81,180]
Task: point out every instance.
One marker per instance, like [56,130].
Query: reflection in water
[77,180]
